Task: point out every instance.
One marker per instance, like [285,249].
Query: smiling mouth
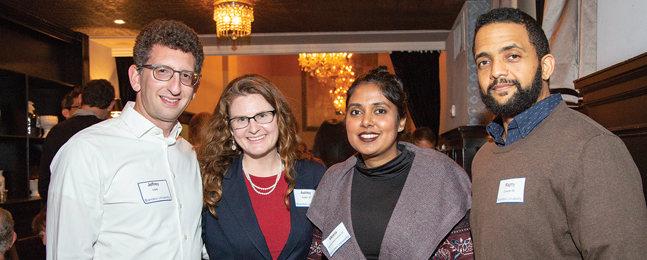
[256,138]
[368,137]
[170,100]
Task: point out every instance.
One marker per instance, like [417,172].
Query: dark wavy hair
[172,34]
[215,154]
[511,15]
[391,86]
[98,93]
[331,144]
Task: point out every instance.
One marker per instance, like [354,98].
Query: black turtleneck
[374,193]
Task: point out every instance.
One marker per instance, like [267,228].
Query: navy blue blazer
[236,233]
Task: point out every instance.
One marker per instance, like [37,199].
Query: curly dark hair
[98,93]
[172,34]
[511,15]
[215,154]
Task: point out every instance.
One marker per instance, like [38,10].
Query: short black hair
[98,93]
[511,15]
[172,34]
[390,85]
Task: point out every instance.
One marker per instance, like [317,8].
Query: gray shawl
[435,197]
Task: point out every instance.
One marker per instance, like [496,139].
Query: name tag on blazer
[303,197]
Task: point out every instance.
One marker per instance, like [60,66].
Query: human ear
[547,66]
[133,75]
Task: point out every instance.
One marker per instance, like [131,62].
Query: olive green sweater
[583,195]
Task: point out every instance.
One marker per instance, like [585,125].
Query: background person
[71,102]
[7,235]
[38,226]
[95,107]
[257,187]
[331,144]
[554,184]
[424,137]
[421,194]
[127,187]
[198,127]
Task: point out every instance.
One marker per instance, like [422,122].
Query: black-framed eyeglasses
[243,121]
[165,73]
[68,108]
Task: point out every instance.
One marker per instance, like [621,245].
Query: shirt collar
[525,122]
[140,125]
[84,112]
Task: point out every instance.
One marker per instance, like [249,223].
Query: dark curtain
[126,92]
[419,72]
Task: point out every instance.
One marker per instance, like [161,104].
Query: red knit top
[272,215]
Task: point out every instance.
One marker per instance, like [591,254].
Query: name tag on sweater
[154,191]
[336,239]
[511,190]
[303,197]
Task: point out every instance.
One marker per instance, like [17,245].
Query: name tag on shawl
[154,191]
[303,197]
[336,239]
[511,190]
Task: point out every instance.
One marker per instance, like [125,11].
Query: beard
[520,101]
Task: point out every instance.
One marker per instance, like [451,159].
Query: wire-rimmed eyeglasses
[165,73]
[243,121]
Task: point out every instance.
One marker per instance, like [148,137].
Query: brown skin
[503,50]
[372,125]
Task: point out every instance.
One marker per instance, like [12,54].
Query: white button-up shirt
[121,190]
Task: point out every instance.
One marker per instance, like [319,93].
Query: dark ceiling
[95,17]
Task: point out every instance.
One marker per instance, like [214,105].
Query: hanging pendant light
[233,18]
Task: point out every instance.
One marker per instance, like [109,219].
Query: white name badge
[336,239]
[303,197]
[154,191]
[511,190]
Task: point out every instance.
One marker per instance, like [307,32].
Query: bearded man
[554,184]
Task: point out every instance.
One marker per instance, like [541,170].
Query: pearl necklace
[268,190]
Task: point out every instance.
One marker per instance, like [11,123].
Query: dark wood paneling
[616,97]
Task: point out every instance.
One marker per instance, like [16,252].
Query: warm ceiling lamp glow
[119,21]
[332,70]
[233,18]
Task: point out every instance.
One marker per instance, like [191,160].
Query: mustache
[503,81]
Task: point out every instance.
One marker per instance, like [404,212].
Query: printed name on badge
[511,190]
[154,191]
[336,239]
[303,197]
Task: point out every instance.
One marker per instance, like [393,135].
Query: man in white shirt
[128,188]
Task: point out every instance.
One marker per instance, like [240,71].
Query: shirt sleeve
[606,213]
[75,204]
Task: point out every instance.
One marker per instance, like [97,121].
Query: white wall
[622,31]
[103,65]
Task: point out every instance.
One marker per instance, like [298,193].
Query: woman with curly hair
[257,184]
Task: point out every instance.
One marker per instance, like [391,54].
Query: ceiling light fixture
[233,18]
[119,21]
[333,71]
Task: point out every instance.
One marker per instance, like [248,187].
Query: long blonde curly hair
[215,154]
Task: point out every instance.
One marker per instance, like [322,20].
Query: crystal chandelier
[332,70]
[233,18]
